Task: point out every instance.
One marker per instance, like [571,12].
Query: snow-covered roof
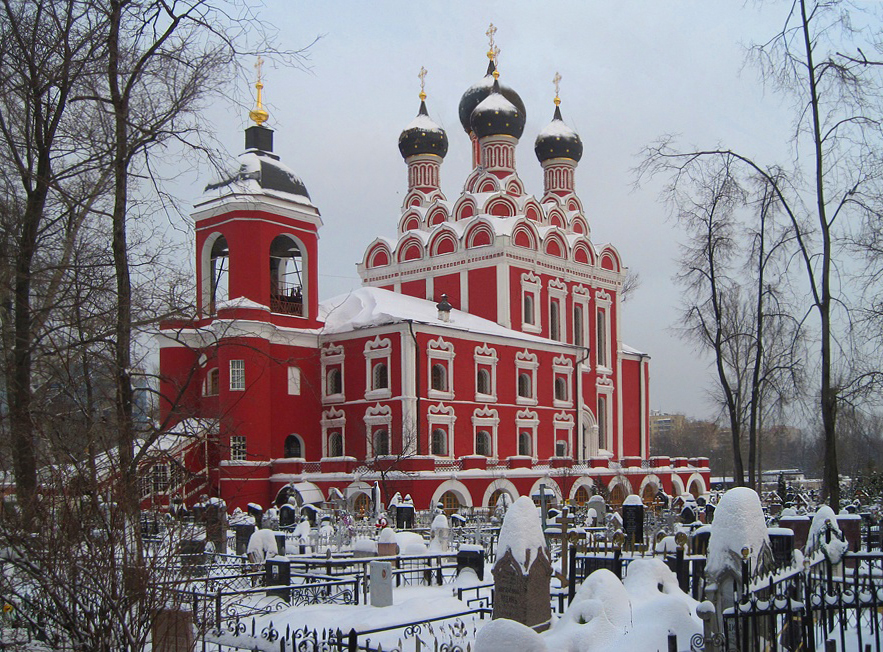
[369,306]
[260,175]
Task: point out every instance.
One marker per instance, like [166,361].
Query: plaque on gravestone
[782,543]
[633,522]
[381,583]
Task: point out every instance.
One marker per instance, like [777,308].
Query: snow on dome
[738,523]
[495,102]
[556,129]
[521,531]
[259,175]
[424,123]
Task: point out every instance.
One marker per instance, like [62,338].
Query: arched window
[554,321]
[602,422]
[219,271]
[335,445]
[439,442]
[450,502]
[362,504]
[287,282]
[524,385]
[483,443]
[483,382]
[560,389]
[529,317]
[524,444]
[381,442]
[495,498]
[334,382]
[380,377]
[439,377]
[293,446]
[581,497]
[212,382]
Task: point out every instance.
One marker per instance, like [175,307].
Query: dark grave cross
[565,520]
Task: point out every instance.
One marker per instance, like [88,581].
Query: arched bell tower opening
[288,282]
[215,273]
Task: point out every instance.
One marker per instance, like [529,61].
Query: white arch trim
[550,484]
[621,481]
[677,486]
[650,479]
[499,483]
[698,478]
[457,487]
[584,481]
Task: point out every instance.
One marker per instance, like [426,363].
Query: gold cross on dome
[259,65]
[490,35]
[422,76]
[556,80]
[259,114]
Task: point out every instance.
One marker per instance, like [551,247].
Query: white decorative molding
[378,347]
[562,363]
[526,359]
[440,346]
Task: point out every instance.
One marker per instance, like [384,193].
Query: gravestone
[172,631]
[277,572]
[782,543]
[405,516]
[471,556]
[257,513]
[633,519]
[597,503]
[386,543]
[688,516]
[381,583]
[243,534]
[216,524]
[521,584]
[709,513]
[287,516]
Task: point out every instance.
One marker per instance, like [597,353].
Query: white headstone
[381,583]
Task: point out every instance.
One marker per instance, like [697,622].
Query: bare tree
[833,182]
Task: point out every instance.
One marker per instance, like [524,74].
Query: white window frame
[526,362]
[604,421]
[159,479]
[486,358]
[238,448]
[237,375]
[531,284]
[603,352]
[487,419]
[440,352]
[562,367]
[377,351]
[563,424]
[442,417]
[293,381]
[332,357]
[581,299]
[333,420]
[558,294]
[377,416]
[527,421]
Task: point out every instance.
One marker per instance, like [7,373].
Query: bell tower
[257,237]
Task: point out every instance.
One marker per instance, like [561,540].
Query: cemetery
[722,572]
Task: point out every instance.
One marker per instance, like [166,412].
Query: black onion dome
[478,92]
[557,140]
[495,115]
[423,136]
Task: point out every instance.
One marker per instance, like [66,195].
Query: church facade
[482,356]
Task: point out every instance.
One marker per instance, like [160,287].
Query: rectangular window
[602,422]
[578,325]
[237,375]
[238,451]
[294,381]
[601,327]
[160,479]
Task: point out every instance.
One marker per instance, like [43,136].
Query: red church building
[483,354]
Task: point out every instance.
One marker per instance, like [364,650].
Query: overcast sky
[631,72]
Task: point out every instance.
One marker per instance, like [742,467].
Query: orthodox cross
[422,76]
[556,80]
[490,35]
[259,114]
[258,65]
